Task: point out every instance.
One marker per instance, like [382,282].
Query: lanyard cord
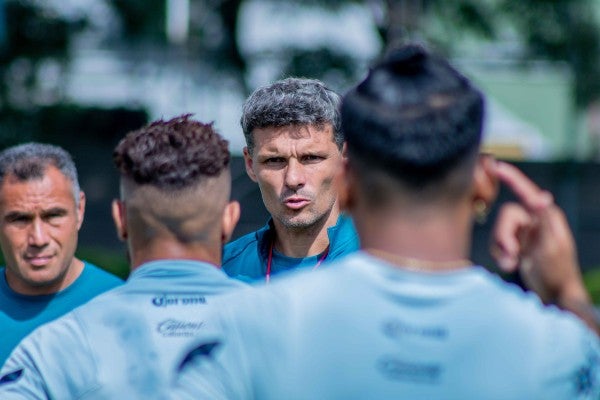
[270,260]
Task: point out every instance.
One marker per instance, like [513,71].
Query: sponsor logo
[166,300]
[396,329]
[584,377]
[177,328]
[401,370]
[11,377]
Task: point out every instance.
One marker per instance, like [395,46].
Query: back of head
[291,101]
[174,177]
[29,161]
[417,120]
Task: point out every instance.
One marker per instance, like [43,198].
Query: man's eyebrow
[54,211]
[13,215]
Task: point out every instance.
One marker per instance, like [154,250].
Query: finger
[506,246]
[528,193]
[553,222]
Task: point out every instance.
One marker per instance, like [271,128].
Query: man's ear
[120,218]
[485,184]
[230,218]
[80,209]
[345,187]
[249,163]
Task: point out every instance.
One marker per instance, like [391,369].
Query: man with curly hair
[174,214]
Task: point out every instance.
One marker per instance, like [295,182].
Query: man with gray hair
[174,214]
[41,212]
[294,150]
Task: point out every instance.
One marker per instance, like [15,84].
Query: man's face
[295,168]
[39,223]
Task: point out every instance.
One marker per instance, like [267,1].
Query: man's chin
[299,223]
[43,278]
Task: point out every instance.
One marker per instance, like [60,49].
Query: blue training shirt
[124,344]
[20,314]
[364,329]
[246,258]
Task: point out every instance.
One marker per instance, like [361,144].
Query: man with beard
[294,150]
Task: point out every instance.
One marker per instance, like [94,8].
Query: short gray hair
[29,161]
[292,101]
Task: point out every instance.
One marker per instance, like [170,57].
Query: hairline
[44,155]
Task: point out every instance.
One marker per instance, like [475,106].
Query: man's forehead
[28,197]
[297,131]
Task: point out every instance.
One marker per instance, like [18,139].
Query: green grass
[109,260]
[591,278]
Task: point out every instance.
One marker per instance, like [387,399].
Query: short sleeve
[571,369]
[53,362]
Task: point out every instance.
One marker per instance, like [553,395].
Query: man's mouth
[38,260]
[295,203]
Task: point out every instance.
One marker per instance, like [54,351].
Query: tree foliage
[557,30]
[566,31]
[37,39]
[34,37]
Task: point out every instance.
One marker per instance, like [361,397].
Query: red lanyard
[270,260]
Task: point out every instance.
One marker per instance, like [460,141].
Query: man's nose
[37,234]
[295,174]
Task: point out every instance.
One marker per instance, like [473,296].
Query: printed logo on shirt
[204,350]
[585,378]
[176,328]
[11,377]
[409,371]
[396,329]
[167,300]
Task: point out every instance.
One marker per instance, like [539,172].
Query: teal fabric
[246,258]
[365,329]
[21,314]
[124,344]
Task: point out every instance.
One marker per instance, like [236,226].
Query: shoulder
[569,357]
[234,248]
[515,312]
[59,335]
[38,364]
[100,276]
[243,255]
[343,237]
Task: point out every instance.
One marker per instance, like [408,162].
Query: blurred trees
[566,31]
[35,52]
[38,40]
[557,30]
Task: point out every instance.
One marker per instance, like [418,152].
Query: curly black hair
[172,154]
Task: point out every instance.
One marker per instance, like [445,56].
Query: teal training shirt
[125,343]
[246,258]
[21,314]
[364,329]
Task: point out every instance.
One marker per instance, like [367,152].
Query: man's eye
[312,158]
[274,160]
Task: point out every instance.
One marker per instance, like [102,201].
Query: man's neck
[305,242]
[433,241]
[173,250]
